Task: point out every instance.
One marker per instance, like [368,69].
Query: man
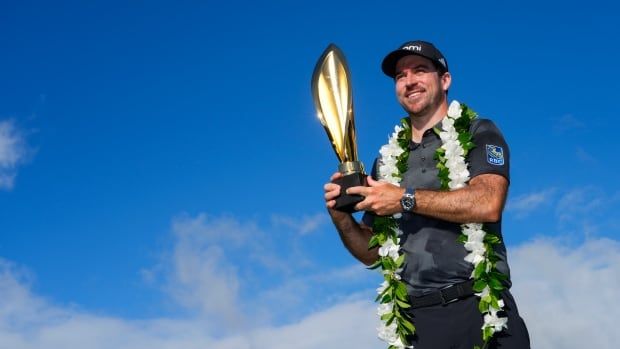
[431,218]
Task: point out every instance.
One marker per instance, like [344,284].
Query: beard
[426,105]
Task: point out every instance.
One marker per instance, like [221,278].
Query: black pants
[458,325]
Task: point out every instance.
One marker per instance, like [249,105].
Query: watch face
[407,202]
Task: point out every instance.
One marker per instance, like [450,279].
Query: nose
[410,80]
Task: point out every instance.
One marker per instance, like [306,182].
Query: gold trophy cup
[331,90]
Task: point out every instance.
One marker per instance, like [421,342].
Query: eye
[399,75]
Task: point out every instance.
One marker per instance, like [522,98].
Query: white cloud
[524,204]
[565,293]
[12,153]
[303,225]
[568,296]
[215,260]
[30,322]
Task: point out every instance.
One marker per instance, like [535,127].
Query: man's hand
[332,191]
[354,235]
[381,198]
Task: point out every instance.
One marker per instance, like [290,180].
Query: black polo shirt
[434,257]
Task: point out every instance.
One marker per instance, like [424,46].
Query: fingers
[359,190]
[332,190]
[335,176]
[371,182]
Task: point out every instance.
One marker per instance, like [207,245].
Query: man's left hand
[381,198]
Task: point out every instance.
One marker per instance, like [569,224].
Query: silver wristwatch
[408,200]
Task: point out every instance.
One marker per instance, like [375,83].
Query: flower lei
[396,325]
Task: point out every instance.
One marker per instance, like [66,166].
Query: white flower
[475,246]
[454,110]
[474,258]
[387,170]
[399,344]
[494,321]
[390,150]
[447,136]
[453,153]
[472,226]
[456,165]
[389,248]
[385,308]
[473,234]
[447,124]
[388,333]
[384,285]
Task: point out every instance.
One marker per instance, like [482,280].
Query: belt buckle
[444,301]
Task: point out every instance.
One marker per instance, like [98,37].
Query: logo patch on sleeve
[495,155]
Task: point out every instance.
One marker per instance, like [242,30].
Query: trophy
[331,90]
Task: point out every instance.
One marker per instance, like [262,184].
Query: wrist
[407,201]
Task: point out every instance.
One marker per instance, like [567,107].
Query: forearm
[481,201]
[354,236]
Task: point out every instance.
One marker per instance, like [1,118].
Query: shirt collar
[428,133]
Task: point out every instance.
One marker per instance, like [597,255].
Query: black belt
[444,296]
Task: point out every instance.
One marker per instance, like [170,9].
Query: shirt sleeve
[491,154]
[369,217]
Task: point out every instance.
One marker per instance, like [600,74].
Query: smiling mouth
[414,94]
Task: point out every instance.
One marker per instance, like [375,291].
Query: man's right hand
[332,191]
[354,235]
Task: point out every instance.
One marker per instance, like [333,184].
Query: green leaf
[487,333]
[401,292]
[479,285]
[400,260]
[387,291]
[494,302]
[408,325]
[464,138]
[385,262]
[374,241]
[462,238]
[496,284]
[497,275]
[374,265]
[402,304]
[386,298]
[492,239]
[480,269]
[403,338]
[469,146]
[483,306]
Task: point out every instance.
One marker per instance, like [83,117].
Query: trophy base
[345,202]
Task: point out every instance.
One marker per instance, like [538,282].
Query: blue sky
[161,164]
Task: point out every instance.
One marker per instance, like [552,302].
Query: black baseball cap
[417,47]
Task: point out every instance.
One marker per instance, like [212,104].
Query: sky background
[161,166]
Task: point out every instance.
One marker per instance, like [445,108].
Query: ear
[446,80]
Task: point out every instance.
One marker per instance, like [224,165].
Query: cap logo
[412,48]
